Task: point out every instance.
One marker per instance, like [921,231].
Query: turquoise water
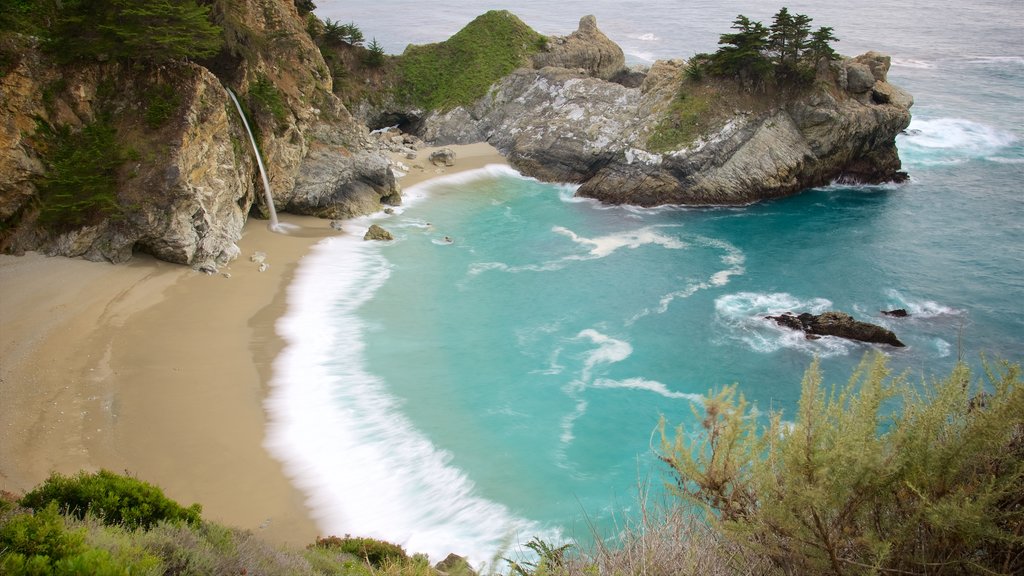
[467,395]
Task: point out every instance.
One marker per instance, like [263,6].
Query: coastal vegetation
[785,53]
[882,475]
[459,70]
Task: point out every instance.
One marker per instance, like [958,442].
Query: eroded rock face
[184,201]
[186,194]
[563,125]
[586,49]
[838,324]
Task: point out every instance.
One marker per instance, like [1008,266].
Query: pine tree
[138,30]
[742,54]
[820,46]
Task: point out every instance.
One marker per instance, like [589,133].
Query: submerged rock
[376,232]
[897,313]
[837,324]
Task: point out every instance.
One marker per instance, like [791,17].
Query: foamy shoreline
[160,371]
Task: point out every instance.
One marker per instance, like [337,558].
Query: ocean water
[466,396]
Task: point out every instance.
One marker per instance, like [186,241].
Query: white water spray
[259,160]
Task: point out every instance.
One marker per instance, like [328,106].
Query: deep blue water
[467,396]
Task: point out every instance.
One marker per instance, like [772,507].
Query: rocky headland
[567,110]
[579,115]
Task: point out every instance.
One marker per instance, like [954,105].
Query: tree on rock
[743,53]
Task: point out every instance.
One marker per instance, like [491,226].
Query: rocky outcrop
[375,232]
[191,181]
[837,324]
[184,201]
[587,50]
[560,124]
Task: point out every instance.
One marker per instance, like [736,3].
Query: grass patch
[685,120]
[459,70]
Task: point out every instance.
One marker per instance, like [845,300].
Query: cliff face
[188,181]
[564,124]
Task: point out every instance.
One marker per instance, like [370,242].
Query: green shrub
[681,124]
[265,96]
[163,101]
[459,70]
[80,183]
[374,552]
[114,499]
[856,486]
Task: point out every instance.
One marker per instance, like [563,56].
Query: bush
[265,96]
[374,552]
[115,499]
[854,486]
[80,183]
[163,101]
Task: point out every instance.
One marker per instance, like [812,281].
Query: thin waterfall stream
[259,160]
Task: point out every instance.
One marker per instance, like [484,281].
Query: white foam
[911,63]
[648,385]
[742,318]
[342,437]
[603,246]
[599,247]
[919,308]
[950,141]
[609,351]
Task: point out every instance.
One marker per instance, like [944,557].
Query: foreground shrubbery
[880,476]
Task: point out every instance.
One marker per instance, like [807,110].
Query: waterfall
[259,160]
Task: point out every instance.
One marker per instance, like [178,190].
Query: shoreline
[161,371]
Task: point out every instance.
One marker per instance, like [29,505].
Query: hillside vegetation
[881,475]
[459,70]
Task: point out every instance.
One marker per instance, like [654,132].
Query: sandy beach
[161,371]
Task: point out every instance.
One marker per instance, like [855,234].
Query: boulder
[897,313]
[586,49]
[376,232]
[443,157]
[837,324]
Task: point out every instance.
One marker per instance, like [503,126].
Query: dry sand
[160,371]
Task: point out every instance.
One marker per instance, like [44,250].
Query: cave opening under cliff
[407,123]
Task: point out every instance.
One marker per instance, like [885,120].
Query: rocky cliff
[188,179]
[569,124]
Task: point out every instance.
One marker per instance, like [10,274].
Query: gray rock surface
[560,125]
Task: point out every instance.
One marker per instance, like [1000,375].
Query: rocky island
[180,180]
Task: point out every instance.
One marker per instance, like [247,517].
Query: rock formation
[376,232]
[587,49]
[190,184]
[443,157]
[562,124]
[837,324]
